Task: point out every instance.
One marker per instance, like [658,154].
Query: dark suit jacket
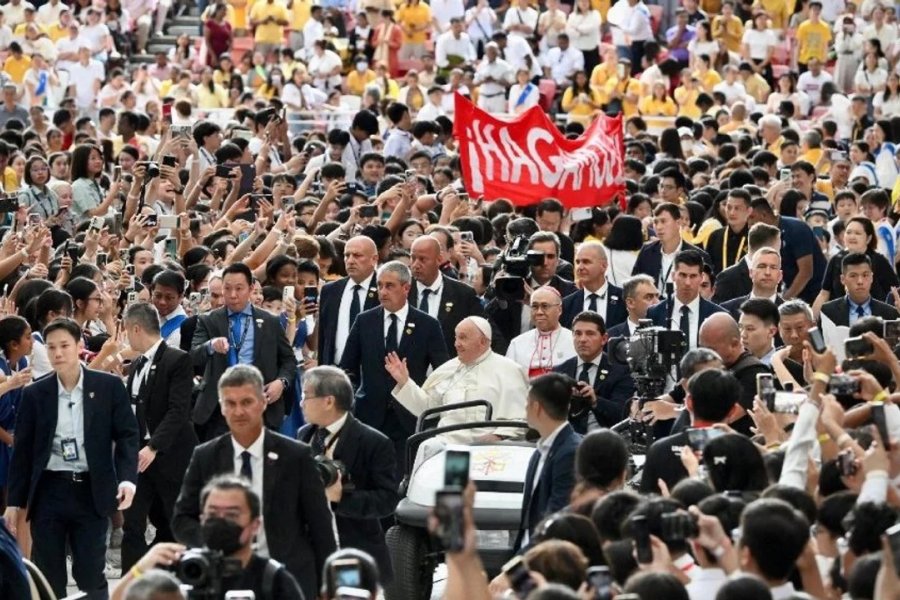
[421,344]
[838,310]
[506,322]
[733,282]
[551,491]
[619,330]
[663,463]
[272,355]
[110,438]
[613,386]
[734,305]
[164,407]
[457,302]
[329,307]
[563,286]
[660,316]
[369,457]
[615,307]
[649,259]
[294,508]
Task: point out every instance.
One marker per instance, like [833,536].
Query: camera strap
[273,567]
[334,439]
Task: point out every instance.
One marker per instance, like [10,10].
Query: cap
[624,60]
[865,172]
[482,324]
[685,132]
[493,45]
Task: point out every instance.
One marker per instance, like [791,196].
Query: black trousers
[63,513]
[154,499]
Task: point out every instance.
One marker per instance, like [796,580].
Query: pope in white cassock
[477,373]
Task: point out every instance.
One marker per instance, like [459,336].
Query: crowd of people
[196,244]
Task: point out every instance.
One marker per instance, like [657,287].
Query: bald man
[341,301]
[447,300]
[596,294]
[720,333]
[548,345]
[476,373]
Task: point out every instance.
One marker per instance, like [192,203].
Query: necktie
[390,342]
[592,302]
[860,312]
[354,304]
[423,305]
[585,375]
[318,441]
[237,320]
[685,324]
[139,365]
[246,468]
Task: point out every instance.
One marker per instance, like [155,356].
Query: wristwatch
[284,383]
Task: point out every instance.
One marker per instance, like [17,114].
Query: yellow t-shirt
[579,111]
[57,31]
[708,80]
[10,180]
[812,41]
[733,33]
[652,107]
[238,15]
[269,33]
[218,98]
[777,11]
[20,29]
[601,74]
[631,88]
[300,14]
[357,82]
[711,7]
[17,67]
[687,102]
[414,16]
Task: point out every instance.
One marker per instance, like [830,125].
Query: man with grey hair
[596,294]
[765,274]
[639,293]
[296,523]
[155,585]
[366,457]
[795,319]
[393,329]
[160,383]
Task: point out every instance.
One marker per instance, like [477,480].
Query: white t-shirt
[812,85]
[95,35]
[83,78]
[890,107]
[868,81]
[319,65]
[759,42]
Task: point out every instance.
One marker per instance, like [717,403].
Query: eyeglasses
[543,306]
[96,298]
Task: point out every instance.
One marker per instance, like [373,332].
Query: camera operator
[710,401]
[364,490]
[721,334]
[230,520]
[352,564]
[546,273]
[639,294]
[603,388]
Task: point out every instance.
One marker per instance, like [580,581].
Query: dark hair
[690,258]
[763,309]
[734,464]
[553,391]
[395,111]
[667,207]
[832,511]
[53,300]
[649,585]
[275,264]
[589,316]
[868,521]
[789,202]
[611,510]
[862,576]
[796,497]
[239,268]
[775,534]
[626,234]
[169,279]
[601,457]
[63,324]
[691,491]
[869,229]
[855,259]
[571,527]
[79,162]
[80,288]
[228,482]
[12,328]
[745,587]
[713,393]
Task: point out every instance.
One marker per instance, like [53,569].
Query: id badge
[69,449]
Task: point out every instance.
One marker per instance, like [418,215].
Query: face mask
[620,71]
[361,66]
[276,78]
[222,535]
[687,146]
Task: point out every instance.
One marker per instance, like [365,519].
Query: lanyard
[725,248]
[238,345]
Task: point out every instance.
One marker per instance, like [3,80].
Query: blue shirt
[854,309]
[798,241]
[245,357]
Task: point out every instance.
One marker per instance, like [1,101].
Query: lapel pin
[272,456]
[371,294]
[410,325]
[90,394]
[408,331]
[259,322]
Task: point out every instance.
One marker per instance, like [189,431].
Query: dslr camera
[516,262]
[331,470]
[842,385]
[678,526]
[205,570]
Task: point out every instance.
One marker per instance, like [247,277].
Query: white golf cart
[498,470]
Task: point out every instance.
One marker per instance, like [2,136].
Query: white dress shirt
[257,463]
[694,317]
[434,298]
[593,369]
[518,16]
[444,10]
[499,71]
[543,447]
[401,321]
[667,267]
[333,429]
[601,299]
[584,29]
[563,63]
[343,323]
[141,375]
[449,45]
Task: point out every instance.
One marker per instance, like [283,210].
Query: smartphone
[641,531]
[765,389]
[857,346]
[456,469]
[169,221]
[785,175]
[152,220]
[788,403]
[102,260]
[34,219]
[72,251]
[240,595]
[242,134]
[117,172]
[287,293]
[466,236]
[97,224]
[345,572]
[411,175]
[601,582]
[846,463]
[129,269]
[9,204]
[893,536]
[248,176]
[311,294]
[463,197]
[180,131]
[194,301]
[699,438]
[817,340]
[448,509]
[167,113]
[892,333]
[223,171]
[132,297]
[520,580]
[169,161]
[581,214]
[349,593]
[368,211]
[171,247]
[881,424]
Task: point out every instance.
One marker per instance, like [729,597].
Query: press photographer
[356,462]
[229,522]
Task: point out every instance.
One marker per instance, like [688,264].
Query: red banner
[527,159]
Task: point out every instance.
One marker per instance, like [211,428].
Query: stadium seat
[547,88]
[240,47]
[819,111]
[656,13]
[403,66]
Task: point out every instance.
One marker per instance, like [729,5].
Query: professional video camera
[650,354]
[204,570]
[516,263]
[331,470]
